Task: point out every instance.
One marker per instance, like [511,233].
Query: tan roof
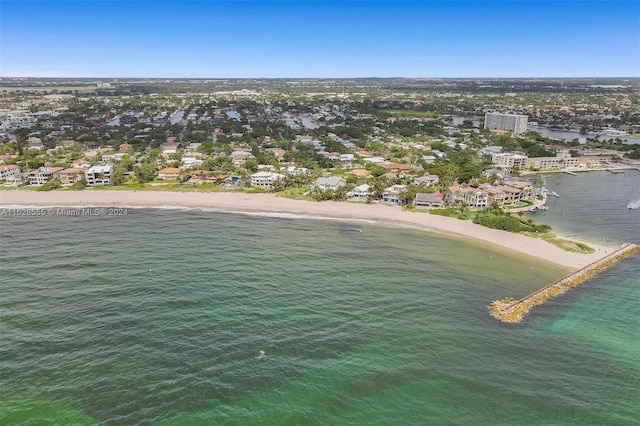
[170,170]
[71,171]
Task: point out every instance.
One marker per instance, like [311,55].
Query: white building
[359,193]
[265,179]
[7,172]
[391,195]
[43,175]
[512,122]
[98,175]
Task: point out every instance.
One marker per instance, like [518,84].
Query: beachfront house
[391,195]
[473,198]
[169,173]
[329,184]
[6,172]
[98,175]
[43,175]
[71,175]
[429,201]
[359,193]
[265,179]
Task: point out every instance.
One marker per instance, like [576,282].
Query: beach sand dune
[269,203]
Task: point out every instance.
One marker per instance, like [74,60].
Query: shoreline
[270,205]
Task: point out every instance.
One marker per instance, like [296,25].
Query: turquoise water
[160,317]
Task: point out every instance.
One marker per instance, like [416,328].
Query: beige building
[169,173]
[508,160]
[474,198]
[71,175]
[560,161]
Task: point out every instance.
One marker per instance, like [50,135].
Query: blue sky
[299,39]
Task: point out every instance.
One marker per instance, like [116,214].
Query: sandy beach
[269,203]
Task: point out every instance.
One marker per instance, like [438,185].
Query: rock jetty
[512,311]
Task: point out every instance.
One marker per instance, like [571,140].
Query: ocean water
[176,317]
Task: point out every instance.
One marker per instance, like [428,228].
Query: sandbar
[270,203]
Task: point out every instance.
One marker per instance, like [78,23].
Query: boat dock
[570,173]
[511,311]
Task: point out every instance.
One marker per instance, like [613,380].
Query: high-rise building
[512,122]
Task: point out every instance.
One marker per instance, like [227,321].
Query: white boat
[634,205]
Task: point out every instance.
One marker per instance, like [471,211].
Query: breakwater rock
[511,310]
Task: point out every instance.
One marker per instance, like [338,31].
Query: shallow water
[160,317]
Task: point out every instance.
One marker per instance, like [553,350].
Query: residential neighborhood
[397,148]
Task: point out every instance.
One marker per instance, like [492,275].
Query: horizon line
[322,78]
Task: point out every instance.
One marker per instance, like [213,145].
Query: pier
[509,310]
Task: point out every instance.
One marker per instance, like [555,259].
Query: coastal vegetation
[507,222]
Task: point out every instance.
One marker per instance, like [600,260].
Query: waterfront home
[330,183]
[265,179]
[474,198]
[71,175]
[429,201]
[524,186]
[501,194]
[199,176]
[9,171]
[391,195]
[98,175]
[359,193]
[43,175]
[169,173]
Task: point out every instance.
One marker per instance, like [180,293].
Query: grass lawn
[296,194]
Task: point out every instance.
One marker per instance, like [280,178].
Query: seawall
[511,311]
